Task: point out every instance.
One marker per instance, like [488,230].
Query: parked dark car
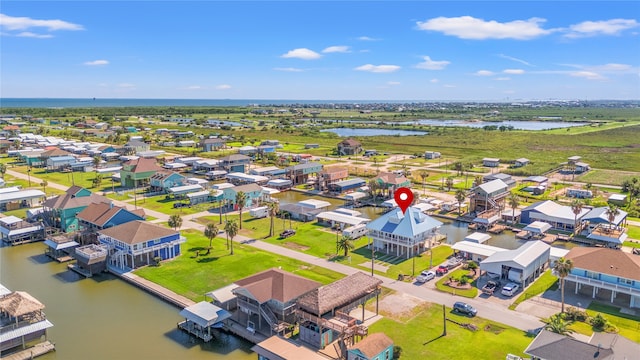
[441,270]
[287,233]
[464,308]
[180,205]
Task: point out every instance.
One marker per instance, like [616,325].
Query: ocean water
[99,102]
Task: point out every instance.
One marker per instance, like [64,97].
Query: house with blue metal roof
[405,234]
[346,185]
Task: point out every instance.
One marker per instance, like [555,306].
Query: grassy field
[543,283]
[193,276]
[607,177]
[626,325]
[418,332]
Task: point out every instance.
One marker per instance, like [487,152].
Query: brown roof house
[323,312]
[137,243]
[349,147]
[61,211]
[137,173]
[100,216]
[268,299]
[330,175]
[373,347]
[606,274]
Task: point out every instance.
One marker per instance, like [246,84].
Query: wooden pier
[79,270]
[32,352]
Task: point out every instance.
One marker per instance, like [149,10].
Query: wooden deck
[32,352]
[79,270]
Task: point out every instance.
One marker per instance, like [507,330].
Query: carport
[522,265]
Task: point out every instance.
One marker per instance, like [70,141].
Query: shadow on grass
[432,340]
[197,248]
[207,260]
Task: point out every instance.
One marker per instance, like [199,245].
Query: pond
[517,125]
[346,132]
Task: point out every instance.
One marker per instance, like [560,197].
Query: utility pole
[444,320]
[373,255]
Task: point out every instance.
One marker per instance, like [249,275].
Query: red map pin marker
[404,198]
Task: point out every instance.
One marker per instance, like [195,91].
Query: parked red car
[441,270]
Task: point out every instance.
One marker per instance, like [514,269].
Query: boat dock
[155,289]
[79,270]
[32,352]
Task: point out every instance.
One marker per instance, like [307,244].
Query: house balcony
[604,285]
[603,232]
[92,251]
[165,245]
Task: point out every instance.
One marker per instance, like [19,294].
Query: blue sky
[326,50]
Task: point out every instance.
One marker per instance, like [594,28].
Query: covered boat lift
[201,317]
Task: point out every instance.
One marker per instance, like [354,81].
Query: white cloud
[24,23]
[449,86]
[513,71]
[366,38]
[483,73]
[589,75]
[393,83]
[302,53]
[606,27]
[434,81]
[467,27]
[614,67]
[378,68]
[502,79]
[223,87]
[289,69]
[34,35]
[514,59]
[336,49]
[97,63]
[194,87]
[429,64]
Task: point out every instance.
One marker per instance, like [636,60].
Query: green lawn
[608,177]
[469,293]
[633,232]
[161,204]
[419,335]
[627,325]
[194,276]
[543,283]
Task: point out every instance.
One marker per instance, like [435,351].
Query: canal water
[104,317]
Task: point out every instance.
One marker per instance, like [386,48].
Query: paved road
[490,310]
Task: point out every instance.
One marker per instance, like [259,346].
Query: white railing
[159,246]
[603,284]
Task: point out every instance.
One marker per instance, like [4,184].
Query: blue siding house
[606,274]
[252,191]
[98,216]
[138,243]
[376,346]
[164,180]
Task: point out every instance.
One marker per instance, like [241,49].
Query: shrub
[157,260]
[575,314]
[598,322]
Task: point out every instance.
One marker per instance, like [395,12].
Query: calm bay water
[347,132]
[105,317]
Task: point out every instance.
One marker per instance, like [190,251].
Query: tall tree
[449,182]
[96,161]
[477,181]
[346,244]
[241,201]
[424,174]
[274,208]
[175,221]
[44,184]
[460,196]
[211,231]
[576,208]
[231,228]
[514,202]
[3,170]
[562,268]
[612,212]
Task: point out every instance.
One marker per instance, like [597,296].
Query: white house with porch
[405,234]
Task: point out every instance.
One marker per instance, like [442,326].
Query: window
[592,275]
[625,281]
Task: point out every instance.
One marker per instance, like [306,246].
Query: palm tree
[44,184]
[346,243]
[373,189]
[241,201]
[96,161]
[211,231]
[274,208]
[3,170]
[562,268]
[424,174]
[175,221]
[611,212]
[576,207]
[514,202]
[449,183]
[558,325]
[231,228]
[477,181]
[460,196]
